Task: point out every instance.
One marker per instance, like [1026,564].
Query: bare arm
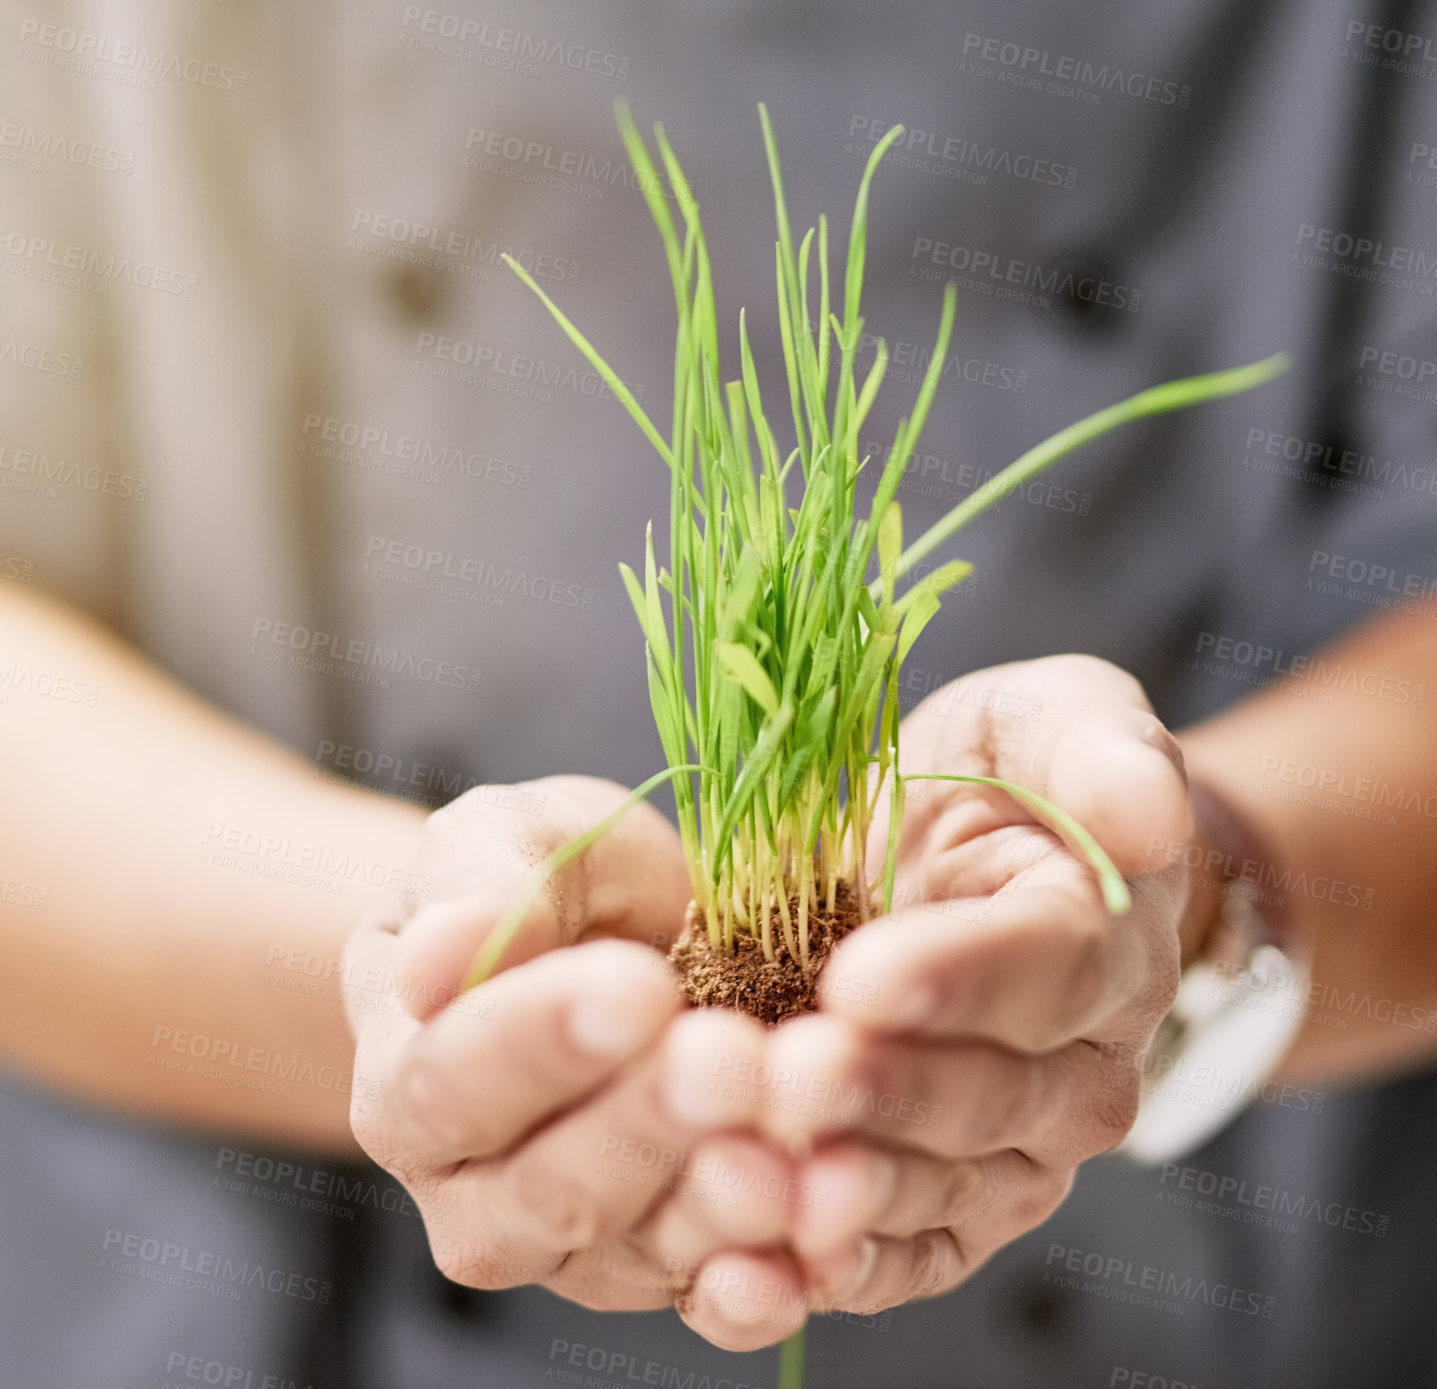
[143,940]
[1345,795]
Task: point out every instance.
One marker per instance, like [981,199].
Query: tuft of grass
[773,627]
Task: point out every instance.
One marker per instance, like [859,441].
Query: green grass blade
[790,1360]
[1116,896]
[497,941]
[610,377]
[1157,400]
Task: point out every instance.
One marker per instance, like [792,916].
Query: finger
[486,850]
[899,1270]
[479,1076]
[615,1277]
[900,1193]
[743,1300]
[1099,753]
[381,1026]
[959,1099]
[595,1173]
[438,944]
[372,1003]
[1044,964]
[733,1192]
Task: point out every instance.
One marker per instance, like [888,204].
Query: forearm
[1336,773]
[180,859]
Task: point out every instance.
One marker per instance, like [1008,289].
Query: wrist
[1230,856]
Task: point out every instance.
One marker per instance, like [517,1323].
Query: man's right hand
[563,1123]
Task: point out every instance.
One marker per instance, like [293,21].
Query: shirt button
[416,292]
[1088,294]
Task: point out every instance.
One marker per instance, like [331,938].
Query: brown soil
[747,981]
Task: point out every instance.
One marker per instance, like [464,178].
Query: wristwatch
[1239,1005]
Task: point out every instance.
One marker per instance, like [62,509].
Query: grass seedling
[774,627]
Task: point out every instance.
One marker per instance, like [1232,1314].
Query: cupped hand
[983,1039]
[562,1123]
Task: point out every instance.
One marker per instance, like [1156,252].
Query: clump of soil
[768,991]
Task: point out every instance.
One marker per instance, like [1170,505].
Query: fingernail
[694,1087]
[608,1028]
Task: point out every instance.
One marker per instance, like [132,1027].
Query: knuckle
[1085,672]
[460,1261]
[1087,975]
[1000,1108]
[372,1133]
[557,1209]
[420,1090]
[937,1264]
[962,1188]
[1115,1110]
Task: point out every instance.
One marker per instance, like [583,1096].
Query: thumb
[1121,778]
[484,860]
[1101,754]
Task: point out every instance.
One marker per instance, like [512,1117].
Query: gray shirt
[329,462]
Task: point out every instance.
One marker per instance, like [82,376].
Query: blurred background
[272,410]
